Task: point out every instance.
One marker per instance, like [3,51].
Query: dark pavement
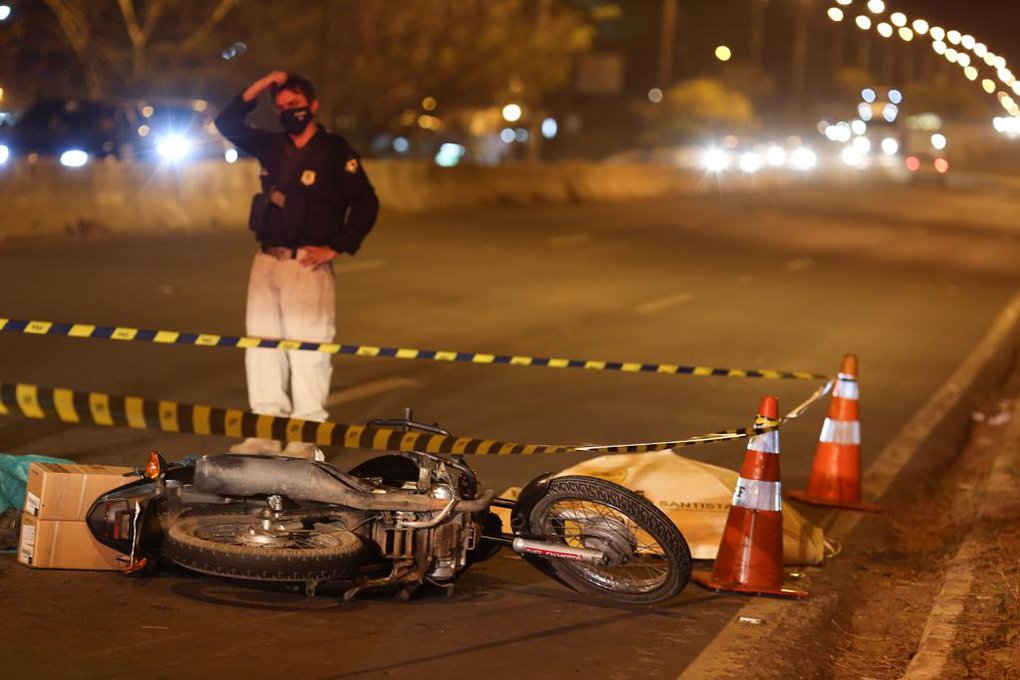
[907,278]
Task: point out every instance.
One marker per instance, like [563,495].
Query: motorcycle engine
[436,543]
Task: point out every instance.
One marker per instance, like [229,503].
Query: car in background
[6,131]
[926,159]
[70,129]
[157,131]
[927,167]
[174,130]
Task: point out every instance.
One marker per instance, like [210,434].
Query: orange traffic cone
[750,559]
[835,478]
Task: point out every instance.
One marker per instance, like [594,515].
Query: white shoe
[304,450]
[256,446]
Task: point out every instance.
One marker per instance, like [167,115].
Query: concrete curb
[939,429]
[45,200]
[940,630]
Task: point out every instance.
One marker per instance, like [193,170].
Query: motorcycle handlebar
[408,424]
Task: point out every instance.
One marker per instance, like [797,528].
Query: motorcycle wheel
[653,561]
[213,544]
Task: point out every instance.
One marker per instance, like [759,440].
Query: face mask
[294,121]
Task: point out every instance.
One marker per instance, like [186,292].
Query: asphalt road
[907,278]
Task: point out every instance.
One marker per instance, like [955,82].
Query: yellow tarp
[696,496]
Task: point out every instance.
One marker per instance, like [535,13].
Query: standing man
[316,202]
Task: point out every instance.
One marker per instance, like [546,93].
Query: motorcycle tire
[187,546]
[665,548]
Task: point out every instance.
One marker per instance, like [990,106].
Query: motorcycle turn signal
[155,466]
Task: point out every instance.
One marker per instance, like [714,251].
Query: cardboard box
[66,492]
[57,544]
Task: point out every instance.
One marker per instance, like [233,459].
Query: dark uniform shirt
[315,195]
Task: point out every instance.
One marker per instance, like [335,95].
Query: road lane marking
[659,304]
[798,265]
[570,240]
[370,389]
[358,266]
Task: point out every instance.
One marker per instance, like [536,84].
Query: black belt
[280,252]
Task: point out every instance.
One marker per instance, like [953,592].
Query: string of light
[956,47]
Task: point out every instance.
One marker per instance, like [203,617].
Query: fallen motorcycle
[395,522]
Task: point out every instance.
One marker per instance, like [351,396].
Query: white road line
[798,265]
[659,304]
[369,389]
[570,240]
[358,266]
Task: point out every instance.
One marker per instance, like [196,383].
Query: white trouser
[288,300]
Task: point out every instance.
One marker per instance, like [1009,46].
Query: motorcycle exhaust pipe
[525,546]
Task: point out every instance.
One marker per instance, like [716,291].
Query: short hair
[296,83]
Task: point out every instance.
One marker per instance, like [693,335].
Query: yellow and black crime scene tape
[97,408]
[126,334]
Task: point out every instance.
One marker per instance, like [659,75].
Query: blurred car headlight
[74,158]
[715,160]
[890,146]
[804,159]
[750,162]
[449,155]
[5,153]
[776,156]
[852,156]
[173,147]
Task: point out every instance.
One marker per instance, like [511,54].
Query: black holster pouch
[257,216]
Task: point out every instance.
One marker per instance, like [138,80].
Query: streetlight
[920,26]
[5,12]
[876,6]
[863,22]
[835,13]
[723,53]
[885,30]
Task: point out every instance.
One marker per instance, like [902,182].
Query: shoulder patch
[352,165]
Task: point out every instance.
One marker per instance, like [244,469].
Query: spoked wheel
[647,558]
[239,546]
